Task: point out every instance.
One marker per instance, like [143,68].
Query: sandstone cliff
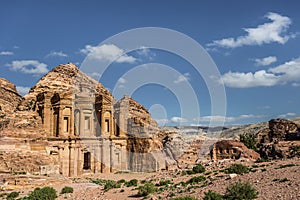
[9,100]
[280,140]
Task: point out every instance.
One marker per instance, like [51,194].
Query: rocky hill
[9,100]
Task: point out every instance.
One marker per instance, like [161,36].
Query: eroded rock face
[9,96]
[9,100]
[279,139]
[229,149]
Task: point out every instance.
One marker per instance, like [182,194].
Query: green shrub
[121,181]
[196,179]
[287,165]
[99,181]
[67,189]
[189,172]
[211,195]
[240,191]
[164,182]
[12,195]
[45,193]
[237,169]
[198,169]
[133,182]
[260,160]
[183,173]
[185,198]
[249,140]
[146,189]
[111,184]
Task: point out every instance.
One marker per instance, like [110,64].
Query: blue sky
[254,44]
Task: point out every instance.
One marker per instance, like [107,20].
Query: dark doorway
[87,160]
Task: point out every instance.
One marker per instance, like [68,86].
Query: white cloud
[178,120]
[289,71]
[94,75]
[28,67]
[146,52]
[287,115]
[162,122]
[23,90]
[296,84]
[219,119]
[108,52]
[274,31]
[264,107]
[282,74]
[122,80]
[265,61]
[6,53]
[57,54]
[246,80]
[182,78]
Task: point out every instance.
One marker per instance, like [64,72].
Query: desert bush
[211,195]
[287,165]
[67,189]
[260,160]
[240,191]
[132,182]
[198,169]
[99,181]
[249,140]
[146,189]
[237,169]
[12,195]
[196,179]
[111,184]
[45,193]
[164,182]
[121,181]
[185,198]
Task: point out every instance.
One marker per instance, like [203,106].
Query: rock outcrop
[9,96]
[229,149]
[9,100]
[279,140]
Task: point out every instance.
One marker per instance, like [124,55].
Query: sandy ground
[265,178]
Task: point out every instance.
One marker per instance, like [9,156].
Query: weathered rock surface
[9,100]
[228,149]
[9,96]
[280,140]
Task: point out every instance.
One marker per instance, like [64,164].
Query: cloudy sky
[255,46]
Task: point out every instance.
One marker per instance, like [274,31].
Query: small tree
[146,189]
[237,169]
[12,195]
[211,195]
[67,189]
[249,140]
[45,193]
[240,191]
[132,182]
[198,169]
[196,179]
